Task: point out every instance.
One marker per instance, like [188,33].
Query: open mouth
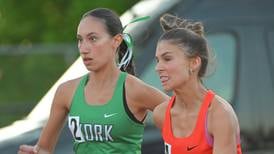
[164,79]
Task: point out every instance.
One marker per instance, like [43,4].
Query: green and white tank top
[104,129]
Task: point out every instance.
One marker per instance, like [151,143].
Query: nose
[158,67]
[84,47]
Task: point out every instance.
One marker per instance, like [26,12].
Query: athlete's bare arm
[223,126]
[159,114]
[142,97]
[58,113]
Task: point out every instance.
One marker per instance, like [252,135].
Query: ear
[117,40]
[195,63]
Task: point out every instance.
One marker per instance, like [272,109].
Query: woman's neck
[104,77]
[190,96]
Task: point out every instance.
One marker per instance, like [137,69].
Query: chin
[167,89]
[91,69]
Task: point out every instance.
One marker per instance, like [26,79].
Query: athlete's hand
[27,149]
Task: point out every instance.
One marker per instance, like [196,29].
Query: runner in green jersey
[106,128]
[106,107]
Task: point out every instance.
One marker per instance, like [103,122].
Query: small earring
[190,71]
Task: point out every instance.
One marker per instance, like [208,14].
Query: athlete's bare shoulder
[144,94]
[221,107]
[134,82]
[69,85]
[139,87]
[221,111]
[66,90]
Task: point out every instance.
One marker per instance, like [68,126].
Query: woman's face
[96,46]
[172,65]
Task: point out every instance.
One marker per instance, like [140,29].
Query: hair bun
[169,22]
[196,27]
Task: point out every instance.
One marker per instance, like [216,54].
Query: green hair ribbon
[129,42]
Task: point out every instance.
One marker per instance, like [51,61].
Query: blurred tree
[32,21]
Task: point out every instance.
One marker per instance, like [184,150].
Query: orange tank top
[199,142]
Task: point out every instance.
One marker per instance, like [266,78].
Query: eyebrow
[162,55]
[89,34]
[168,52]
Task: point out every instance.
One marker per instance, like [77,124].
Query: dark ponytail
[121,52]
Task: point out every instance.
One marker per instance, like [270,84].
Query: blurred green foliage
[28,71]
[25,78]
[33,21]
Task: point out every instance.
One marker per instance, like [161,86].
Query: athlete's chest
[182,124]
